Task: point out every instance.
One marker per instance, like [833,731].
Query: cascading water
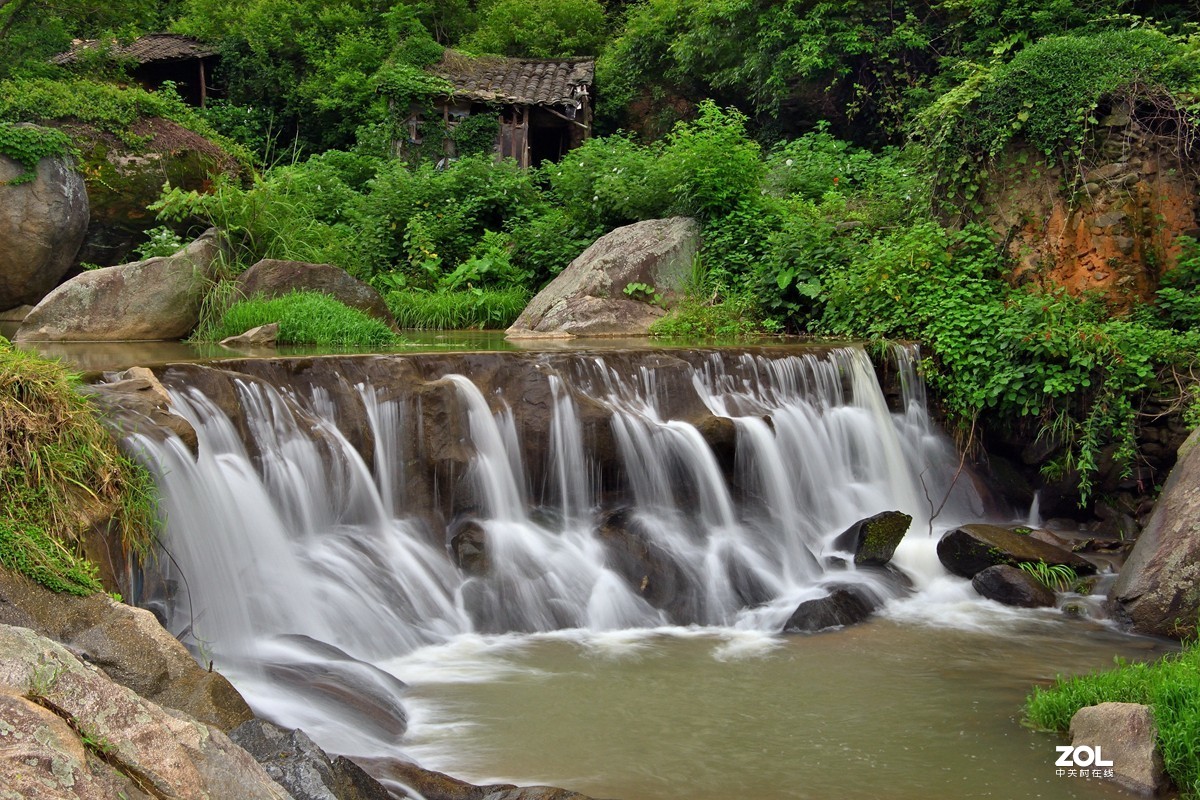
[302,561]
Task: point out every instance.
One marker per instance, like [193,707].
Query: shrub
[59,470]
[305,318]
[1170,686]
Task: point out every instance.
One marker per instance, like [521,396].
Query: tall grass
[475,308]
[305,318]
[1170,686]
[60,473]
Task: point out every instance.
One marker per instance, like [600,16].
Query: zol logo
[1080,756]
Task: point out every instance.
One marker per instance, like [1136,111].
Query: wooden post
[203,85]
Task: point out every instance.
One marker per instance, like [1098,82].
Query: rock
[295,762]
[42,224]
[1111,218]
[273,278]
[1125,735]
[128,644]
[171,754]
[1158,590]
[41,756]
[15,315]
[468,543]
[588,298]
[843,606]
[123,180]
[1106,172]
[969,550]
[147,300]
[136,402]
[407,780]
[873,540]
[1012,587]
[648,567]
[260,336]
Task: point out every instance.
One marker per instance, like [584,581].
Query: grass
[305,318]
[486,309]
[60,474]
[1170,686]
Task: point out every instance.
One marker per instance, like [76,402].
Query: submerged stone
[843,606]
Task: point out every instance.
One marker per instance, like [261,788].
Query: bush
[305,318]
[1170,686]
[60,469]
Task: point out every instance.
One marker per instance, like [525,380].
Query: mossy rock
[874,540]
[122,180]
[970,549]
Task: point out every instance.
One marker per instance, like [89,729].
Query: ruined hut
[155,59]
[543,106]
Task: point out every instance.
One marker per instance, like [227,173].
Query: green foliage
[701,318]
[1056,577]
[29,145]
[160,241]
[1046,96]
[305,318]
[1178,296]
[487,309]
[1170,686]
[59,471]
[476,135]
[643,291]
[539,28]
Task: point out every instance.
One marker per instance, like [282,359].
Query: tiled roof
[145,49]
[515,80]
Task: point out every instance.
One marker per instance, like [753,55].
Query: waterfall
[691,488]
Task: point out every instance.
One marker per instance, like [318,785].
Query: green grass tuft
[487,309]
[61,474]
[1170,686]
[305,318]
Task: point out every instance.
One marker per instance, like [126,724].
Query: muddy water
[896,708]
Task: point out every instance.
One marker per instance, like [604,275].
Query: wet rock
[259,336]
[325,675]
[273,278]
[845,605]
[648,568]
[130,646]
[295,762]
[135,401]
[42,224]
[1158,590]
[1012,587]
[874,540]
[159,298]
[969,550]
[588,297]
[172,754]
[407,780]
[468,543]
[721,435]
[1125,734]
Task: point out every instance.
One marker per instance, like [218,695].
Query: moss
[60,474]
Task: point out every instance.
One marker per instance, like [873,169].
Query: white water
[304,567]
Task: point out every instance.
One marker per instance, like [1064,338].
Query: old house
[156,58]
[543,106]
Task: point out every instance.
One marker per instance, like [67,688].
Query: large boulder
[1012,587]
[127,643]
[159,298]
[1158,590]
[295,762]
[125,176]
[874,540]
[42,224]
[589,297]
[1126,735]
[969,550]
[273,278]
[166,753]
